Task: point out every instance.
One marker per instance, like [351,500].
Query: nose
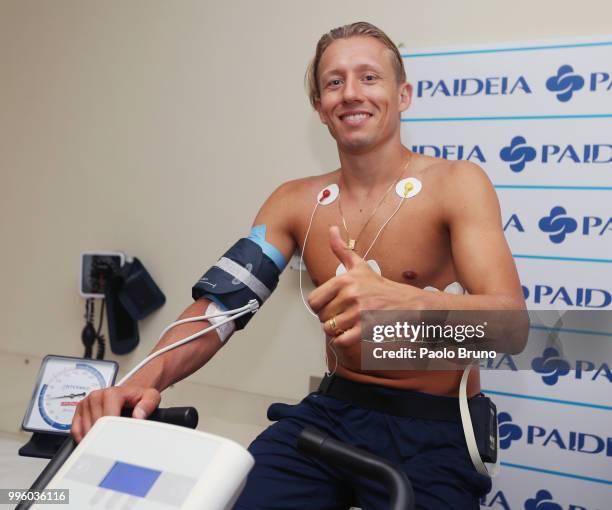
[352,90]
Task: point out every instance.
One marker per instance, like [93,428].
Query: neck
[363,173]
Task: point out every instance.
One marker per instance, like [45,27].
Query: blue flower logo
[558,224]
[565,83]
[508,431]
[542,501]
[518,154]
[552,365]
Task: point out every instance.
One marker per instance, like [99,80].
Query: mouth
[355,118]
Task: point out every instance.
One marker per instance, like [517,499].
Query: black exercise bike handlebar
[315,443]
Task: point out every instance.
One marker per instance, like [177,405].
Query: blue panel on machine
[130,479]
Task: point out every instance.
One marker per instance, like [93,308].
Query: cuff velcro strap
[244,276]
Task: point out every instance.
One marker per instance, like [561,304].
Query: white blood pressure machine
[128,464]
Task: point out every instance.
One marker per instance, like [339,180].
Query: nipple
[409,275]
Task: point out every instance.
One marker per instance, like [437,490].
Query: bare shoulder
[463,189]
[289,200]
[305,189]
[447,174]
[455,182]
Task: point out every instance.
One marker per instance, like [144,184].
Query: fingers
[110,402]
[86,422]
[349,337]
[76,430]
[323,294]
[343,322]
[148,403]
[113,403]
[345,282]
[96,406]
[80,421]
[346,299]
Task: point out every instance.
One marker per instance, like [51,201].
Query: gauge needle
[72,395]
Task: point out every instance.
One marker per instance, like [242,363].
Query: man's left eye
[370,77]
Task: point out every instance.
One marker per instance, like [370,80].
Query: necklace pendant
[350,244]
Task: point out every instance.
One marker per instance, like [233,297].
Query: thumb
[145,403]
[338,246]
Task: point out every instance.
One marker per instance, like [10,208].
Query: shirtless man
[450,232]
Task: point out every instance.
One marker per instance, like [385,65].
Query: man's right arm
[142,390]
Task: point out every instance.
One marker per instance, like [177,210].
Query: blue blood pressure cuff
[248,270]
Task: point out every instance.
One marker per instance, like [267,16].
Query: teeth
[357,116]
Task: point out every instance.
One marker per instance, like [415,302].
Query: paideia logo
[473,86]
[565,82]
[452,152]
[552,366]
[562,295]
[538,436]
[558,224]
[519,153]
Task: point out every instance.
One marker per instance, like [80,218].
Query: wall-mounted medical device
[129,293]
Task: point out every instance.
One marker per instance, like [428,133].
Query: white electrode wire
[384,225]
[203,318]
[331,347]
[329,344]
[249,309]
[302,258]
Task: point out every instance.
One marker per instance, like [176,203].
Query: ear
[317,106]
[405,96]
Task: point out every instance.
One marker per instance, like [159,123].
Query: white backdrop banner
[537,117]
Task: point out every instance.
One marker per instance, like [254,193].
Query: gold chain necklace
[351,243]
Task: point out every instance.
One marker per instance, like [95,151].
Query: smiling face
[360,98]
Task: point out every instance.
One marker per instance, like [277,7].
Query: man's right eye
[334,83]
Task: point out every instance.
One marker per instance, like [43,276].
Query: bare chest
[413,247]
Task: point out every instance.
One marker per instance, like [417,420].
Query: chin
[353,140]
[357,144]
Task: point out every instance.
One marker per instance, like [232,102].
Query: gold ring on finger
[332,324]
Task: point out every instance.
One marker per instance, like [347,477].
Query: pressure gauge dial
[62,383]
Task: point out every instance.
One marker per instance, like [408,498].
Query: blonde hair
[360,28]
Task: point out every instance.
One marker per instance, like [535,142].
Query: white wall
[158,128]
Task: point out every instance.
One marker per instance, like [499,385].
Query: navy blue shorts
[432,453]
